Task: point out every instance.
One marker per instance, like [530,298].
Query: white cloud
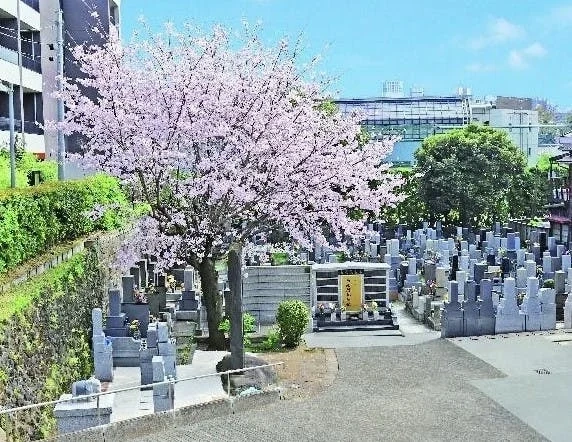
[521,58]
[498,31]
[481,67]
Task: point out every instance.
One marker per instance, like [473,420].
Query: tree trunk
[209,286]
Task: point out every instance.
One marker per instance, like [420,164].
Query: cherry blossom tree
[222,138]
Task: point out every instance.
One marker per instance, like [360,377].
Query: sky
[496,47]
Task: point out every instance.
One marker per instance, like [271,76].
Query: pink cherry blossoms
[222,140]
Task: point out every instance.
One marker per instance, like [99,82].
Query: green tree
[412,210]
[466,175]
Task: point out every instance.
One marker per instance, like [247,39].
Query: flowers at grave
[139,296]
[373,306]
[431,287]
[342,308]
[134,328]
[321,309]
[171,282]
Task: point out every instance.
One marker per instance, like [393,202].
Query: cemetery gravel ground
[400,393]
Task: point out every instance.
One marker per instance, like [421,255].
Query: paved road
[419,392]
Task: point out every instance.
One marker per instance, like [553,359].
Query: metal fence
[13,412]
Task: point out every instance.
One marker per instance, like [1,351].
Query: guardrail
[136,387]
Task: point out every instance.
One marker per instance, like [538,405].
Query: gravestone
[146,355]
[116,320]
[530,307]
[530,267]
[452,315]
[521,278]
[143,273]
[128,285]
[566,262]
[163,394]
[508,318]
[470,312]
[568,312]
[559,282]
[480,269]
[102,348]
[136,273]
[82,413]
[429,269]
[547,298]
[188,305]
[486,309]
[236,332]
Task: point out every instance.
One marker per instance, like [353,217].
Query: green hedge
[33,219]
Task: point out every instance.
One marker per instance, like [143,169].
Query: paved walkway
[409,387]
[417,392]
[134,403]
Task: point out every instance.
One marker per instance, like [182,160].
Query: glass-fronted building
[411,118]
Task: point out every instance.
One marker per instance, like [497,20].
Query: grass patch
[19,298]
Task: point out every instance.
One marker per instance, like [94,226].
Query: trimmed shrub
[292,318]
[33,219]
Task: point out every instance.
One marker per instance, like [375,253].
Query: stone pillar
[236,332]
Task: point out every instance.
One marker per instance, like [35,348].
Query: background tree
[411,210]
[466,175]
[222,139]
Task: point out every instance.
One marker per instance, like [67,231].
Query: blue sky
[498,47]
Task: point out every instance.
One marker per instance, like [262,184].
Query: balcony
[34,4]
[30,127]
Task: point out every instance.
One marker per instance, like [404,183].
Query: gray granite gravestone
[136,273]
[470,313]
[128,285]
[486,309]
[102,348]
[81,413]
[115,325]
[143,273]
[547,298]
[530,306]
[163,394]
[452,315]
[508,318]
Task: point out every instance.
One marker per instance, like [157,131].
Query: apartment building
[38,31]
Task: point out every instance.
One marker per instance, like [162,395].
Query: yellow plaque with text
[351,288]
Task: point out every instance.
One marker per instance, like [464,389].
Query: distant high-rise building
[393,89]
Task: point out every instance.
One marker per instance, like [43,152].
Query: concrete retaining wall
[267,286]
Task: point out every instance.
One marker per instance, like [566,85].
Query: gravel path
[400,393]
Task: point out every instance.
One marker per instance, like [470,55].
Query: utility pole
[20,72]
[9,89]
[60,87]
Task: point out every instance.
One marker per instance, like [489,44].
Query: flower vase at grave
[333,316]
[375,315]
[365,315]
[343,316]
